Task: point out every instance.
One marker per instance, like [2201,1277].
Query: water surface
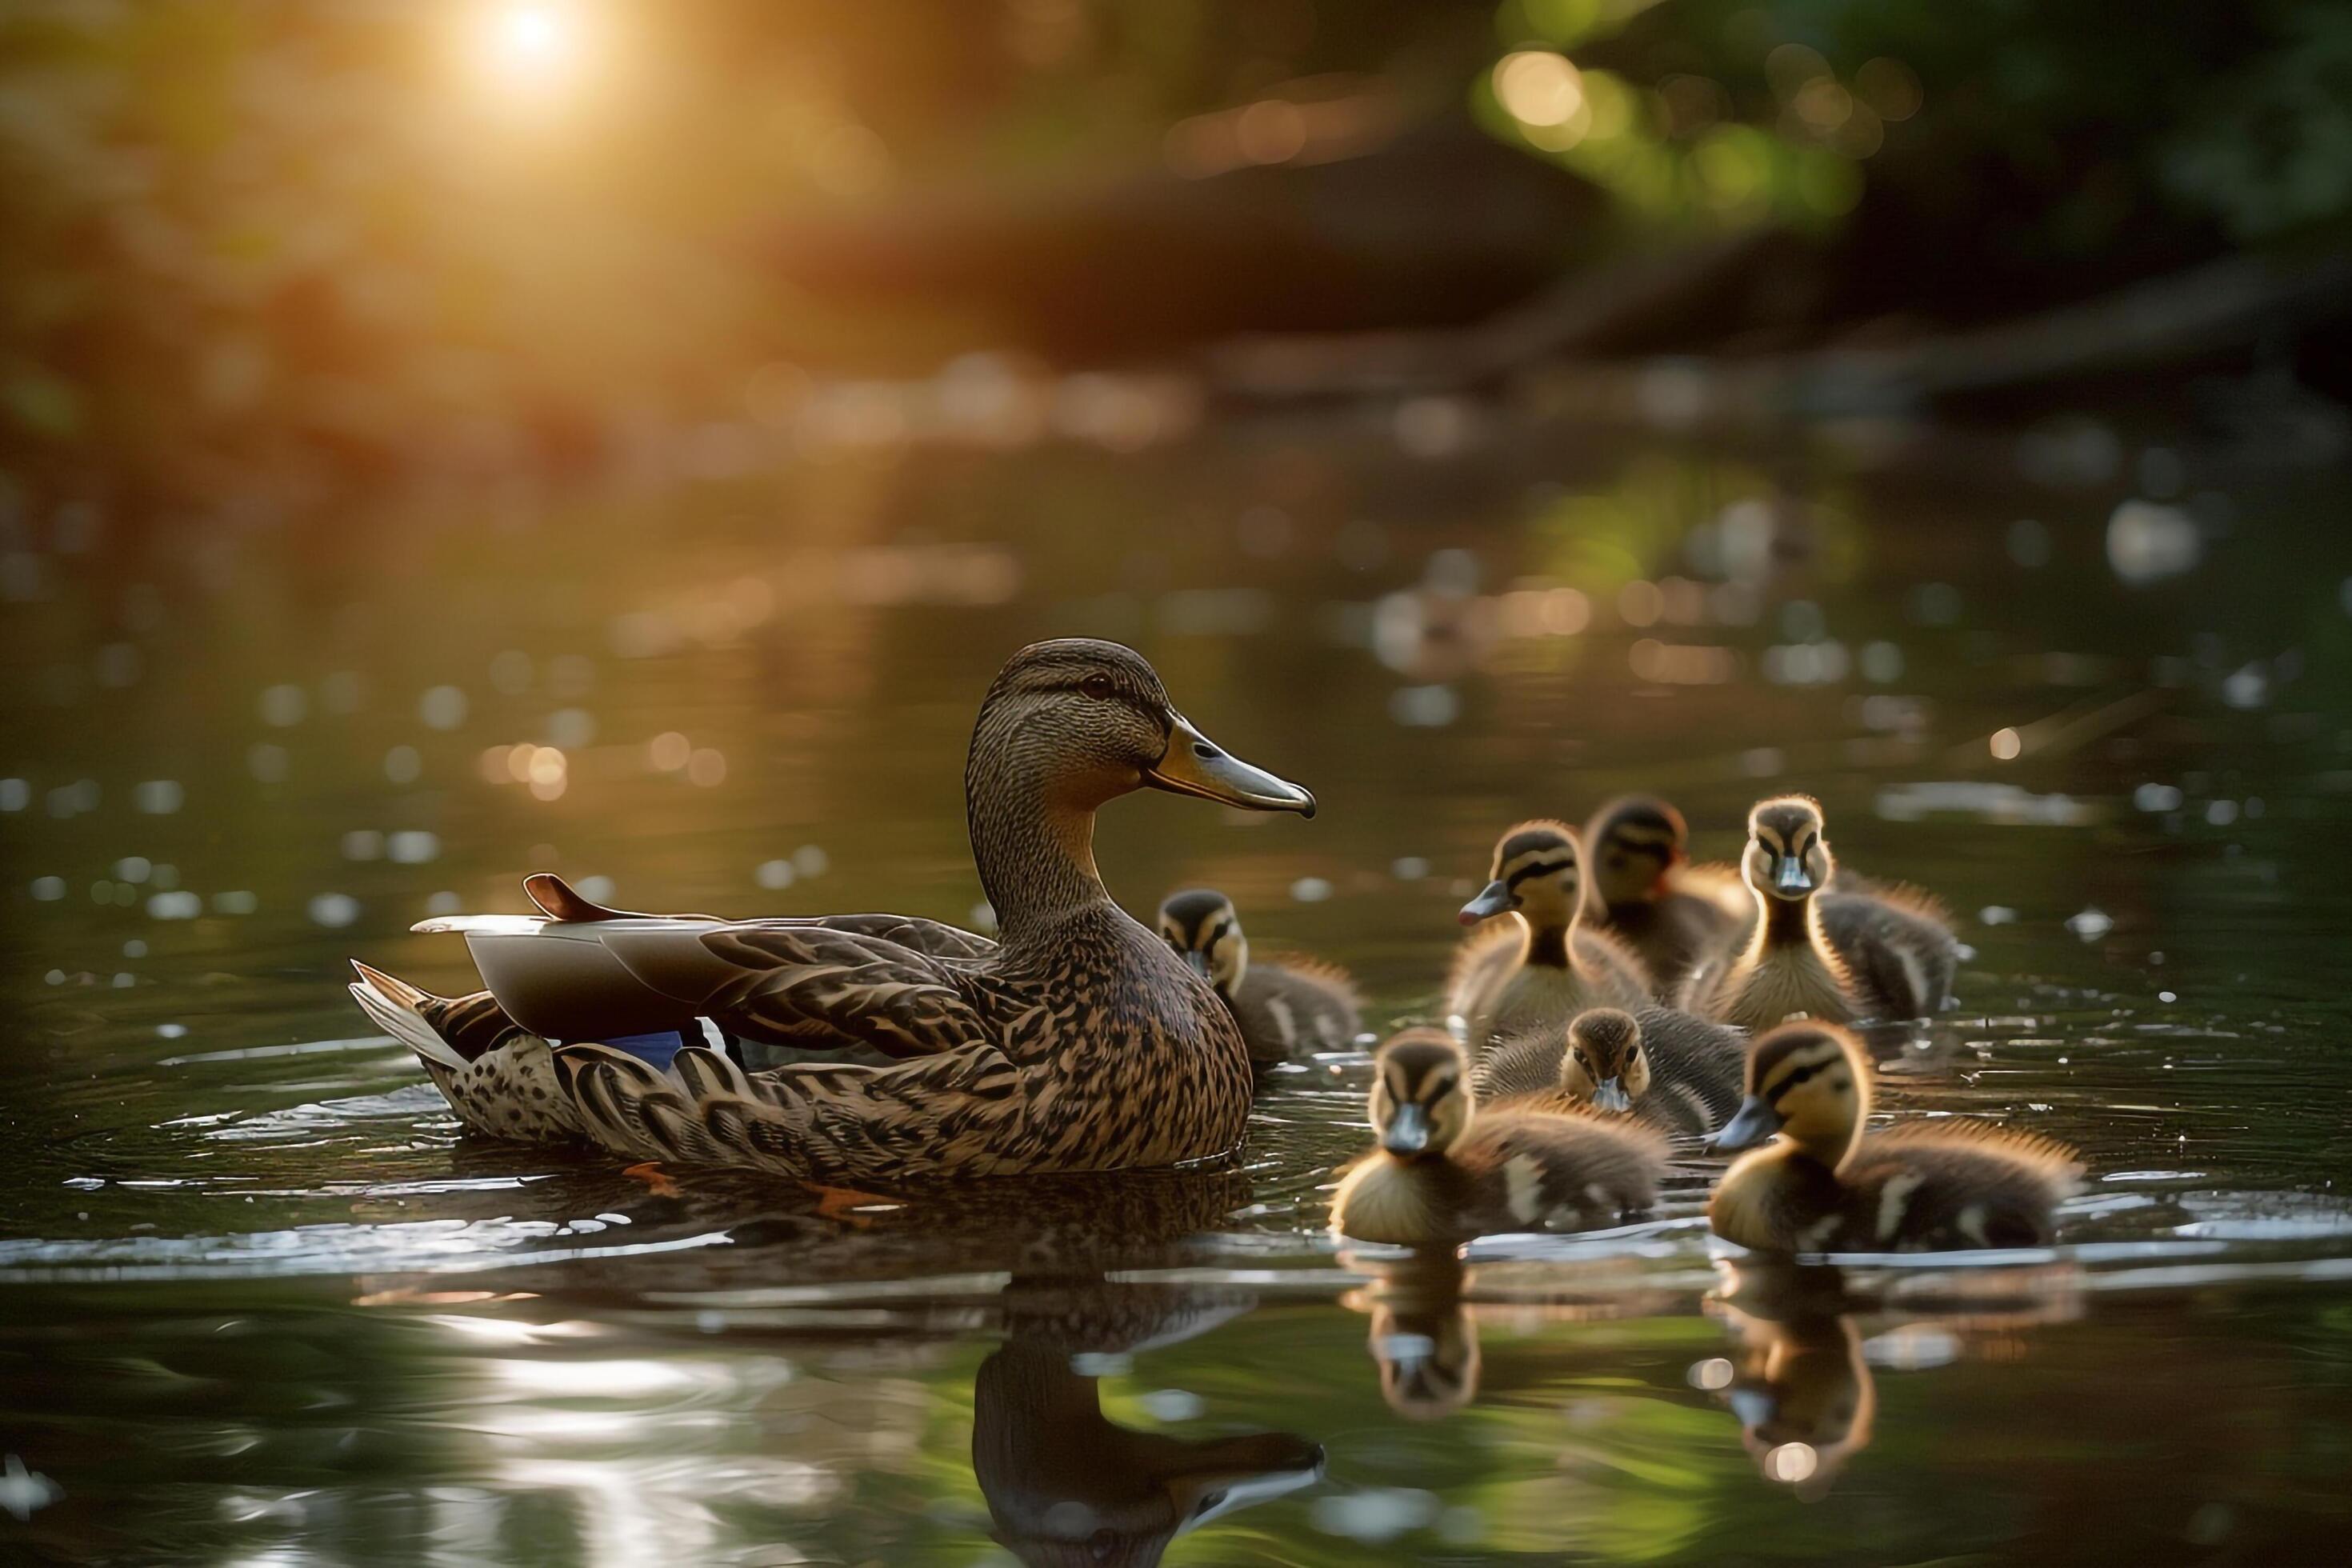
[266,1305]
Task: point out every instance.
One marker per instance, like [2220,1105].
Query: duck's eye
[1096,687]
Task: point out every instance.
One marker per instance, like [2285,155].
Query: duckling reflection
[1803,1393]
[1422,1337]
[1064,1484]
[1803,1387]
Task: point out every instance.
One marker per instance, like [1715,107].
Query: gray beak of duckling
[1492,901]
[1790,876]
[1193,764]
[1756,1122]
[1407,1134]
[1200,962]
[1610,1095]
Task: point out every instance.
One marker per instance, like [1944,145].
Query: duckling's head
[1808,1082]
[1088,720]
[1538,871]
[1604,1063]
[1421,1093]
[1634,842]
[1788,853]
[1200,926]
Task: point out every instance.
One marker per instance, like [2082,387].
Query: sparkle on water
[266,1305]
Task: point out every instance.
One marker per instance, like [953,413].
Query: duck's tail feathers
[397,1008]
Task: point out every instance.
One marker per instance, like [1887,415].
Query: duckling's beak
[1757,1122]
[1610,1095]
[1754,1406]
[1199,961]
[1193,764]
[1407,1132]
[1492,901]
[1790,876]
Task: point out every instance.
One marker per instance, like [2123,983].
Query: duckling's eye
[1096,687]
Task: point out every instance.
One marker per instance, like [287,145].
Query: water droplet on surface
[774,875]
[442,708]
[174,906]
[1310,890]
[811,861]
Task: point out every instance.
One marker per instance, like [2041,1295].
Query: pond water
[266,1305]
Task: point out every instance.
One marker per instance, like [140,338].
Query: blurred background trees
[262,254]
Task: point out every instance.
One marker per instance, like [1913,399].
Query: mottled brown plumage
[1537,963]
[1287,1006]
[1077,1042]
[1443,1172]
[1824,1186]
[1642,888]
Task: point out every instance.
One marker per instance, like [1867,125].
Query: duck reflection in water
[1066,1485]
[1804,1389]
[1422,1336]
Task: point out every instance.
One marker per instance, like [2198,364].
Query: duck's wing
[790,984]
[959,1113]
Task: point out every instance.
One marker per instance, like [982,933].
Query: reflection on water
[272,1308]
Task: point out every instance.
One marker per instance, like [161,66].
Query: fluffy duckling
[1542,967]
[1283,1006]
[1824,1186]
[1677,1073]
[1837,956]
[1643,888]
[1445,1173]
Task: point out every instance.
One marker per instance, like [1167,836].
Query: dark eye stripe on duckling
[1518,874]
[1781,1068]
[1534,841]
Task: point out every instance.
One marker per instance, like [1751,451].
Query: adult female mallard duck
[1284,1006]
[1835,954]
[1445,1172]
[1677,1073]
[1541,966]
[1825,1187]
[1643,890]
[1074,1042]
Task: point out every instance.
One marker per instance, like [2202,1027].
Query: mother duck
[1077,1041]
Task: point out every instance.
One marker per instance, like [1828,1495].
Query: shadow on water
[269,1305]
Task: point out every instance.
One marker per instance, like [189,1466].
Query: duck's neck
[1546,944]
[1033,836]
[1784,924]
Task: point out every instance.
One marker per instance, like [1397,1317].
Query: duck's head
[1199,924]
[1089,722]
[1604,1063]
[1808,1082]
[1633,842]
[1788,853]
[1538,871]
[1421,1093]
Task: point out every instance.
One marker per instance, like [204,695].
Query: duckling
[1677,1073]
[1444,1172]
[1826,1187]
[1283,1006]
[1837,956]
[1643,888]
[1804,1392]
[1541,967]
[1073,1042]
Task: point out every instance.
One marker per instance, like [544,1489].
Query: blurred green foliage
[262,256]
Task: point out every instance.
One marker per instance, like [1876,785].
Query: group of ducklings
[1599,1016]
[1593,1017]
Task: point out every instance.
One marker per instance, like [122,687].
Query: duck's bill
[1790,876]
[1407,1132]
[1193,764]
[1199,961]
[1610,1094]
[1492,901]
[1756,1122]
